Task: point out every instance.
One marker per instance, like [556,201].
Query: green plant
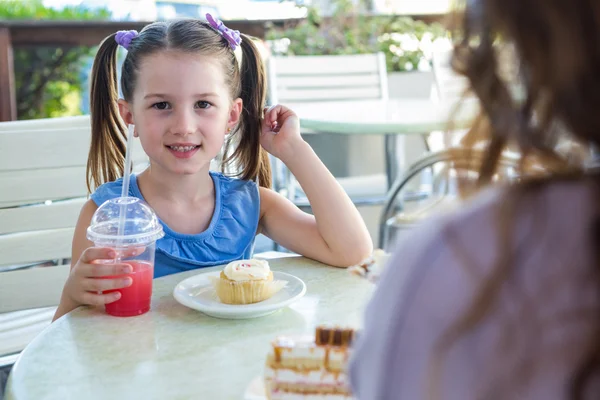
[347,31]
[405,42]
[48,79]
[408,44]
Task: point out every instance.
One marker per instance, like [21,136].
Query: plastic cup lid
[141,226]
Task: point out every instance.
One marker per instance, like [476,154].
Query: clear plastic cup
[134,233]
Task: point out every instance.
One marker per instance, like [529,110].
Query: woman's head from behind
[183,89]
[557,49]
[557,45]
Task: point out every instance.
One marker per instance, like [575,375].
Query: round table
[385,116]
[393,118]
[174,352]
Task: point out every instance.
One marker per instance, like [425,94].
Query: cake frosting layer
[315,377]
[282,395]
[309,367]
[303,354]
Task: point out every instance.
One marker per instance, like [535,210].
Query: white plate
[197,292]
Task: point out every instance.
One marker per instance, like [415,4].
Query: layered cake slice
[311,367]
[372,267]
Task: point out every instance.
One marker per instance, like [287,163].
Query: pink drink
[131,228]
[135,299]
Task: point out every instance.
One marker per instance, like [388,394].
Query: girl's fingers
[269,110]
[273,112]
[97,253]
[101,285]
[96,299]
[100,270]
[275,116]
[92,254]
[131,252]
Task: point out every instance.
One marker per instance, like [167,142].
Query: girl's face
[181,110]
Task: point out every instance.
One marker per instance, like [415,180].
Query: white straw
[127,172]
[126,176]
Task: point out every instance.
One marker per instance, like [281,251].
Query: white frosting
[247,270]
[292,342]
[300,396]
[318,377]
[338,355]
[304,353]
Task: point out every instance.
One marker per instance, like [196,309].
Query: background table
[174,352]
[392,118]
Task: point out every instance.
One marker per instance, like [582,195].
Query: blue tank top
[229,237]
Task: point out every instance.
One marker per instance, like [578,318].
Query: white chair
[299,79]
[42,176]
[80,121]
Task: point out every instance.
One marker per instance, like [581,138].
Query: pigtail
[106,158]
[249,154]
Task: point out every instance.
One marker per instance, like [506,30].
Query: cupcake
[246,282]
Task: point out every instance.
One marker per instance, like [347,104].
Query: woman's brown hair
[554,97]
[107,151]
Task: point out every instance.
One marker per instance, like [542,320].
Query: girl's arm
[336,234]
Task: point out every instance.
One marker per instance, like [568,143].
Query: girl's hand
[96,272]
[280,131]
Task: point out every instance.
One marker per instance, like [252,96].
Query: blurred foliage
[350,29]
[35,9]
[48,79]
[408,43]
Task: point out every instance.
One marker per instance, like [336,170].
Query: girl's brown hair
[107,152]
[554,97]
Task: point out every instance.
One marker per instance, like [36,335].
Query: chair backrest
[297,79]
[43,186]
[80,121]
[449,86]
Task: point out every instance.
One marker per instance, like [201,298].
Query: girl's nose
[184,123]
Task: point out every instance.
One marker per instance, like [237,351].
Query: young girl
[187,87]
[502,299]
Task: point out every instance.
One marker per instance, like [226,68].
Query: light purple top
[530,340]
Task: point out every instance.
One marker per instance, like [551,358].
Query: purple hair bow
[233,37]
[124,38]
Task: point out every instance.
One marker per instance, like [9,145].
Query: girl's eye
[202,104]
[163,105]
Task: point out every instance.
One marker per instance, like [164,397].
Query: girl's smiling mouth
[183,150]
